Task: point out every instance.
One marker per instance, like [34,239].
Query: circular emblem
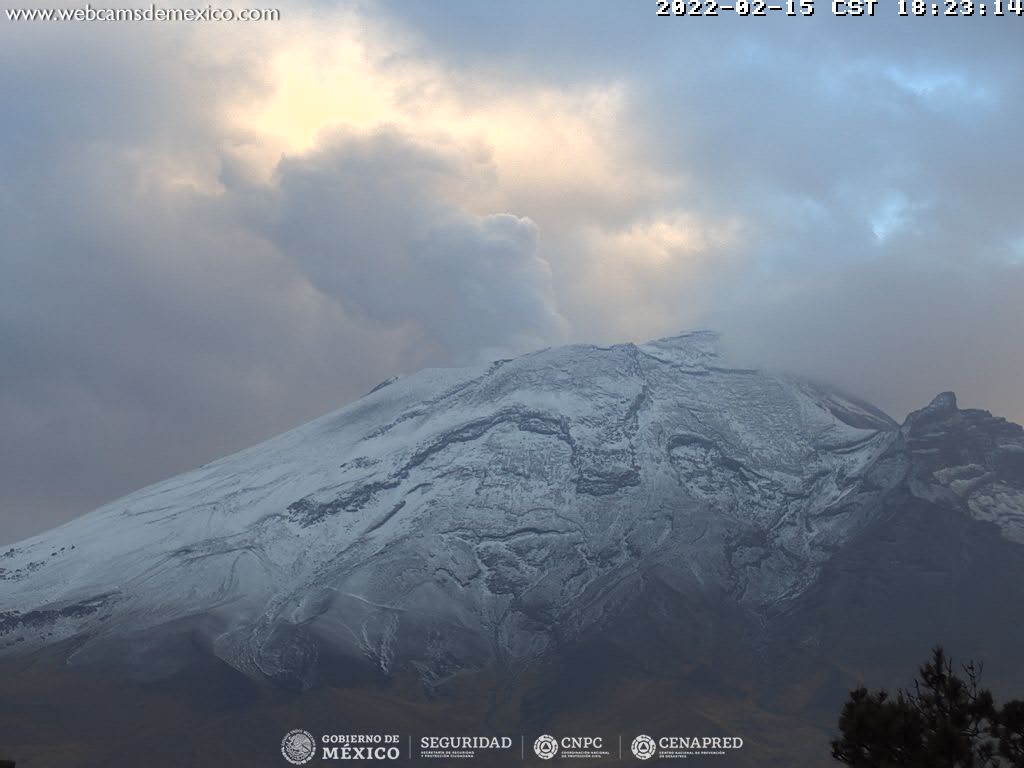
[546,747]
[644,747]
[298,747]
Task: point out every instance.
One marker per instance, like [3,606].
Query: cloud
[209,234]
[170,295]
[368,219]
[894,331]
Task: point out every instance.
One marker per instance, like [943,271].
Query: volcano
[627,538]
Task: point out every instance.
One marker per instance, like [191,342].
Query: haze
[210,233]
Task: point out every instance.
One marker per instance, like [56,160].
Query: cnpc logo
[547,747]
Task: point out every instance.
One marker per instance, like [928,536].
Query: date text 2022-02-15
[853,8]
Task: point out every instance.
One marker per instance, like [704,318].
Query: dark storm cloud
[840,196]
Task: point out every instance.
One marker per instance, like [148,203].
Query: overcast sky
[212,232]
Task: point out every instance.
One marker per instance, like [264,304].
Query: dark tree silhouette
[1011,732]
[947,720]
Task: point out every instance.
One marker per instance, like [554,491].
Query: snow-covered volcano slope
[460,519]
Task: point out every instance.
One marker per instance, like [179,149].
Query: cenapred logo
[643,747]
[298,746]
[546,747]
